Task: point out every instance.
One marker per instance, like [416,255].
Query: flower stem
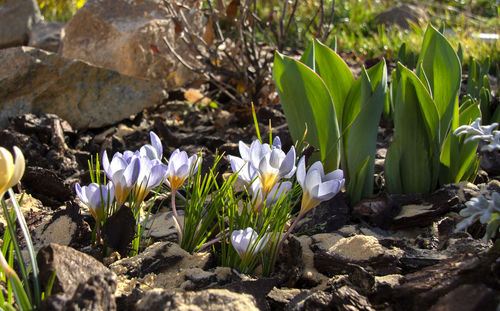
[290,229]
[175,213]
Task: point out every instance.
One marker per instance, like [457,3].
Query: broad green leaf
[392,170]
[458,159]
[308,57]
[415,152]
[362,145]
[335,73]
[444,72]
[306,100]
[356,185]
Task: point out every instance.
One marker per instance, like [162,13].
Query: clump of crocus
[247,244]
[316,187]
[11,170]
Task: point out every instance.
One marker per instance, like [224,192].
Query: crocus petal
[337,174]
[276,158]
[105,164]
[313,179]
[81,195]
[328,190]
[6,169]
[156,143]
[244,151]
[157,175]
[288,164]
[301,172]
[131,172]
[277,142]
[19,165]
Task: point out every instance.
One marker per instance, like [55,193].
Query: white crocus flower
[11,170]
[123,171]
[246,242]
[316,185]
[268,163]
[153,151]
[96,197]
[180,167]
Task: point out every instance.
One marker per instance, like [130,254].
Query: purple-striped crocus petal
[301,172]
[313,178]
[317,166]
[277,142]
[157,175]
[243,241]
[131,172]
[328,190]
[287,167]
[335,175]
[106,164]
[81,194]
[156,143]
[244,169]
[281,189]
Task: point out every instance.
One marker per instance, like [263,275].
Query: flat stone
[210,300]
[33,80]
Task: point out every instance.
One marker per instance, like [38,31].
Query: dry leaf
[178,28]
[209,35]
[154,48]
[232,9]
[195,96]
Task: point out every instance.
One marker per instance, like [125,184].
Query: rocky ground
[107,88]
[391,252]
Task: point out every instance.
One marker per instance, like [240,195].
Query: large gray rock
[127,36]
[37,81]
[72,268]
[16,20]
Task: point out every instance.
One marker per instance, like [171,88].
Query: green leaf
[306,100]
[414,159]
[335,73]
[444,73]
[363,138]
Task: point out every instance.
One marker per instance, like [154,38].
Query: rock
[326,217]
[72,268]
[355,254]
[160,226]
[16,20]
[46,35]
[468,297]
[210,300]
[97,294]
[127,36]
[401,16]
[449,280]
[33,80]
[258,288]
[62,229]
[280,298]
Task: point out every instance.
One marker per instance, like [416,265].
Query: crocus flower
[279,190]
[151,175]
[267,162]
[10,171]
[96,197]
[477,131]
[153,151]
[179,168]
[316,185]
[245,242]
[123,171]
